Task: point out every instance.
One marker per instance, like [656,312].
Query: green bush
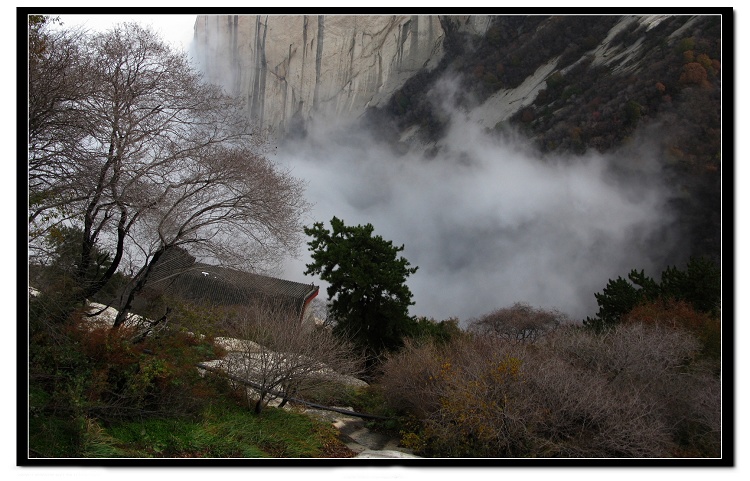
[556,81]
[429,330]
[633,112]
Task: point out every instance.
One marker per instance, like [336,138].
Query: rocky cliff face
[289,66]
[444,107]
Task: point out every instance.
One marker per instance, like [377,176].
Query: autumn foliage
[640,390]
[694,73]
[680,314]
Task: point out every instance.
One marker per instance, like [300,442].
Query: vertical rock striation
[291,67]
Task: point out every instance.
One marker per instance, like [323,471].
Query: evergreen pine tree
[367,284]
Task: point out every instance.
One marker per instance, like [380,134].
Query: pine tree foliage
[369,296]
[699,285]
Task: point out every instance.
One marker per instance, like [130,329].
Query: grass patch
[225,431]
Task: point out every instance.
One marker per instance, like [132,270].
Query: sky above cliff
[175,29]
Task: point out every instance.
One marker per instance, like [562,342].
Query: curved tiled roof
[177,273]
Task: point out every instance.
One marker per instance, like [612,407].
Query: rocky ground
[360,439]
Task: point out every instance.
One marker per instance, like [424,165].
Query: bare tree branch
[284,358]
[142,155]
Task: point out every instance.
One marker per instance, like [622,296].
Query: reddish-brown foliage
[527,116]
[120,378]
[694,73]
[678,314]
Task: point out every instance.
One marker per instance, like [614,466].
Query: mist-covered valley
[489,220]
[517,158]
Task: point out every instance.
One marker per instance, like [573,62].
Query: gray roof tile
[177,273]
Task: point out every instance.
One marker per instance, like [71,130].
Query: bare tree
[228,205]
[163,160]
[57,81]
[284,358]
[518,323]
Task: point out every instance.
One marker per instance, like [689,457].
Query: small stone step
[354,433]
[388,454]
[356,447]
[370,439]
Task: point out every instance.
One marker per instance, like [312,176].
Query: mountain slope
[581,84]
[290,67]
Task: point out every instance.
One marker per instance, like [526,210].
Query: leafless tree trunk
[281,355]
[159,159]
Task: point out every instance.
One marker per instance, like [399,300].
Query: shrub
[679,314]
[281,358]
[694,73]
[429,330]
[555,81]
[636,390]
[410,378]
[457,391]
[99,372]
[661,367]
[699,285]
[518,323]
[633,112]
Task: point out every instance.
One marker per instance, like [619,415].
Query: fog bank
[489,222]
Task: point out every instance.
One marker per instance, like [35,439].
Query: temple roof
[177,273]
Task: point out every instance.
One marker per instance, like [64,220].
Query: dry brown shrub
[410,378]
[679,314]
[655,374]
[519,323]
[634,392]
[281,357]
[694,73]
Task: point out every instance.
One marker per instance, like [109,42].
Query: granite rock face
[291,67]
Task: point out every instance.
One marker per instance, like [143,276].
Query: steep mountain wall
[289,66]
[620,117]
[568,84]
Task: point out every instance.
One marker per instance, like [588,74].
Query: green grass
[226,431]
[222,431]
[53,437]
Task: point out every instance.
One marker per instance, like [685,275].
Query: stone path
[360,439]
